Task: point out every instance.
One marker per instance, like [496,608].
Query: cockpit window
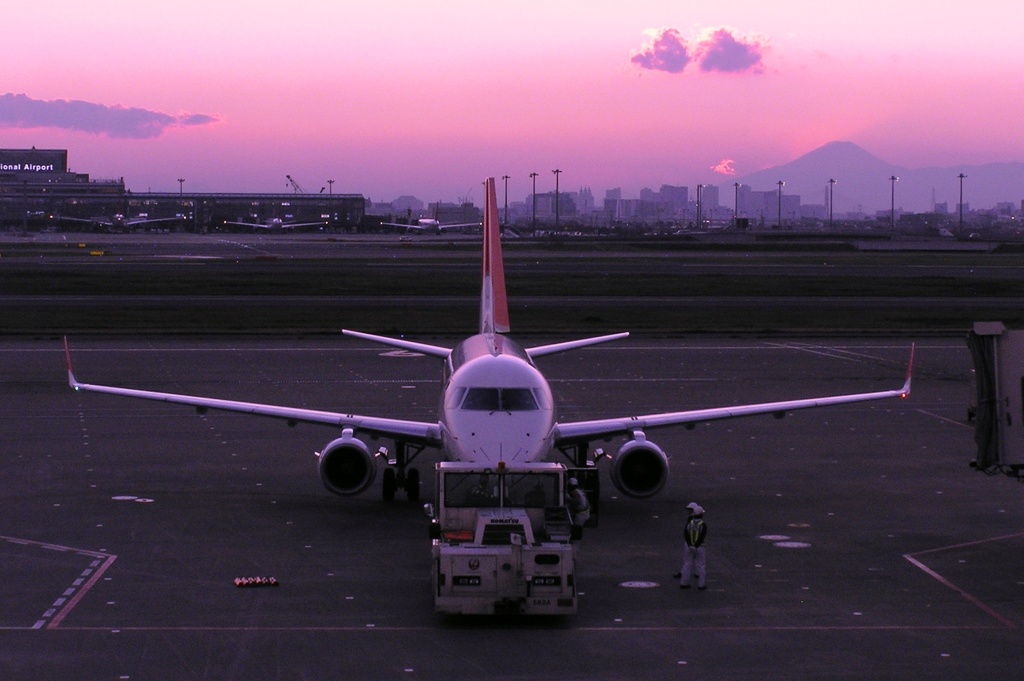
[518,399]
[481,399]
[499,399]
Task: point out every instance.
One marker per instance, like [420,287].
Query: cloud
[721,51]
[20,111]
[665,51]
[724,167]
[718,51]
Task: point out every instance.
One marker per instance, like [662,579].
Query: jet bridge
[998,409]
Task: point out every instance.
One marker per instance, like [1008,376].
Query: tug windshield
[489,490]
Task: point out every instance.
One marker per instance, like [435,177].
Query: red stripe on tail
[493,301]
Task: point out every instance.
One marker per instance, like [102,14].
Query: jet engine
[639,469]
[346,465]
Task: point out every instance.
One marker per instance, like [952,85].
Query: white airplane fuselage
[496,405]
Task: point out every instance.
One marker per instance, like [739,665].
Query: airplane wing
[412,346]
[106,222]
[293,225]
[146,221]
[458,225]
[542,350]
[430,228]
[282,226]
[419,432]
[582,431]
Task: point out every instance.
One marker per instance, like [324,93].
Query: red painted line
[1009,624]
[945,420]
[1018,535]
[70,605]
[971,599]
[107,559]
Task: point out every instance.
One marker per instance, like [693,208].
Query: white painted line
[73,594]
[912,558]
[945,420]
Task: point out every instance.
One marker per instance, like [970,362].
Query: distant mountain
[862,181]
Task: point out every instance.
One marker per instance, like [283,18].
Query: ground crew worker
[579,506]
[694,558]
[482,493]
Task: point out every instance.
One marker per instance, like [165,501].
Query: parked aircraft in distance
[276,224]
[430,226]
[496,406]
[119,222]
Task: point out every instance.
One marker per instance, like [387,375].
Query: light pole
[736,205]
[330,187]
[700,188]
[892,206]
[181,184]
[781,185]
[505,177]
[831,188]
[961,176]
[533,176]
[557,173]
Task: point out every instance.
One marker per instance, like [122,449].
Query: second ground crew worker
[694,557]
[579,506]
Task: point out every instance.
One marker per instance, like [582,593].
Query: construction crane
[295,185]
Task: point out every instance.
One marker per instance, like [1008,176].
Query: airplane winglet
[905,390]
[493,300]
[71,374]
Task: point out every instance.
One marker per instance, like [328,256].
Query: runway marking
[615,629]
[71,596]
[831,352]
[912,558]
[945,419]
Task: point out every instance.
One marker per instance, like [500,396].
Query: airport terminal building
[37,191]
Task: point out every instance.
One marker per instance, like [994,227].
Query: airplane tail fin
[493,301]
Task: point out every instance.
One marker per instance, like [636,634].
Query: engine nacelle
[346,465]
[639,469]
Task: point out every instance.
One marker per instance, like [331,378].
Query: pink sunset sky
[428,98]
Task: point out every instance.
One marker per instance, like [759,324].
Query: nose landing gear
[398,475]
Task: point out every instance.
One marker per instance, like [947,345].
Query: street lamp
[557,173]
[700,188]
[961,176]
[781,185]
[736,205]
[533,176]
[892,206]
[505,177]
[831,187]
[330,187]
[181,184]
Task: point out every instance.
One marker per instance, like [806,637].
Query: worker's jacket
[696,531]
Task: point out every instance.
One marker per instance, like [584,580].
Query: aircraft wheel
[412,484]
[390,484]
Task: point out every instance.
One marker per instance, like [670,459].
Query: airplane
[276,224]
[430,225]
[119,221]
[496,406]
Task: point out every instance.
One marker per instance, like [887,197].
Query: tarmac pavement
[845,542]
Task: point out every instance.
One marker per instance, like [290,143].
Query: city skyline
[858,183]
[418,99]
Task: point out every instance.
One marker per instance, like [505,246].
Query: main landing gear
[398,475]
